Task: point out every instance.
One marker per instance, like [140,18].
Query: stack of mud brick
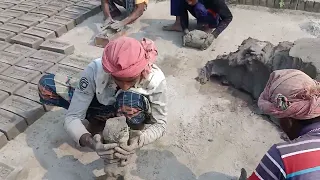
[303,5]
[28,49]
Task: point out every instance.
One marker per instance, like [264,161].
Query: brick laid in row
[3,66]
[10,58]
[26,108]
[29,91]
[45,34]
[20,50]
[3,95]
[12,13]
[59,29]
[57,46]
[6,35]
[35,64]
[19,73]
[45,11]
[23,7]
[48,56]
[76,61]
[27,40]
[68,22]
[13,27]
[11,124]
[10,85]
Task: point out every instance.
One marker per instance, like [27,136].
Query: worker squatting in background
[293,97]
[124,82]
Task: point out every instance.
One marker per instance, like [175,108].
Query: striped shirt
[295,160]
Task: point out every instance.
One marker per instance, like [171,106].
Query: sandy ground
[212,129]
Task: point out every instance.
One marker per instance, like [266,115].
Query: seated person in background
[294,98]
[134,9]
[210,14]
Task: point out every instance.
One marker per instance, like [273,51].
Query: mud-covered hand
[243,175]
[105,151]
[117,25]
[107,23]
[124,152]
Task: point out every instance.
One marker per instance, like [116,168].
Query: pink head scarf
[291,93]
[126,57]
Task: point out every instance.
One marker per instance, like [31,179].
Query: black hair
[309,121]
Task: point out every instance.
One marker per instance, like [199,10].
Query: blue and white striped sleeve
[270,167]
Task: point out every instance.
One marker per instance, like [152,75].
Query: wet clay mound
[250,66]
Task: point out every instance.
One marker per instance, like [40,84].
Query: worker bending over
[210,14]
[292,97]
[134,9]
[124,82]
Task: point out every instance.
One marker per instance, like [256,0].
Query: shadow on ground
[56,152]
[163,165]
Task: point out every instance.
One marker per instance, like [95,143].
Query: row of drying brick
[29,25]
[310,6]
[21,68]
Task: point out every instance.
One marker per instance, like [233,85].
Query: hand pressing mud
[197,39]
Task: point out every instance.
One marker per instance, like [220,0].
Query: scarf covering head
[126,57]
[291,93]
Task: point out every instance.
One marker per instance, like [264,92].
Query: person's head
[192,2]
[293,97]
[128,60]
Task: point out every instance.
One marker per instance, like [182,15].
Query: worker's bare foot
[173,27]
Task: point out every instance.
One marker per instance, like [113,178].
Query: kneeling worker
[134,9]
[293,97]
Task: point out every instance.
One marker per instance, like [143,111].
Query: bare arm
[106,9]
[138,11]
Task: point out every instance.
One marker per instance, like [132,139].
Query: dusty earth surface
[213,130]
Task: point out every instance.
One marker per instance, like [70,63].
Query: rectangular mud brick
[3,66]
[59,29]
[309,6]
[69,23]
[4,45]
[3,95]
[27,40]
[4,18]
[23,7]
[95,7]
[277,4]
[39,1]
[249,2]
[256,2]
[64,70]
[81,10]
[9,58]
[11,124]
[12,13]
[35,64]
[40,32]
[103,38]
[13,1]
[45,11]
[57,46]
[77,16]
[3,142]
[19,73]
[6,35]
[24,22]
[5,171]
[20,50]
[270,3]
[6,5]
[36,80]
[301,5]
[32,3]
[34,17]
[76,61]
[29,91]
[10,85]
[26,108]
[54,6]
[293,4]
[48,56]
[316,7]
[13,27]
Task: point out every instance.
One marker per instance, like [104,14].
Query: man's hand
[117,25]
[107,23]
[105,151]
[124,152]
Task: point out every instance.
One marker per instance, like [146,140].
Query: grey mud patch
[311,27]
